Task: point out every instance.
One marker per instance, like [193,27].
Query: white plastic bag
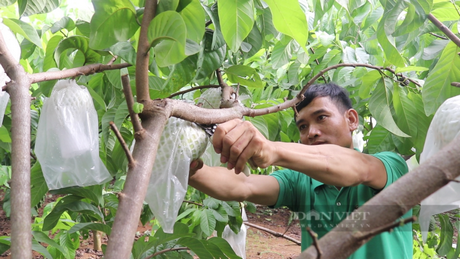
[237,241]
[180,142]
[444,127]
[67,144]
[14,48]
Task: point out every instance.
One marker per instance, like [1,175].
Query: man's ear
[352,118]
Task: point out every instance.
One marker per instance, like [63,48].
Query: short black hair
[337,94]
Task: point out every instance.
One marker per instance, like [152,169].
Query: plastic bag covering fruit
[67,145]
[181,142]
[444,127]
[237,241]
[211,98]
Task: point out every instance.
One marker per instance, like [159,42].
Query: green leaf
[2,4]
[236,21]
[445,11]
[112,22]
[379,107]
[211,203]
[76,42]
[43,238]
[423,121]
[196,246]
[91,226]
[167,34]
[386,28]
[282,53]
[380,140]
[179,75]
[210,58]
[49,55]
[94,193]
[255,40]
[437,86]
[125,51]
[77,206]
[207,222]
[4,134]
[65,23]
[411,68]
[368,82]
[289,19]
[138,107]
[30,7]
[405,111]
[224,246]
[42,250]
[244,75]
[447,231]
[194,18]
[24,29]
[37,184]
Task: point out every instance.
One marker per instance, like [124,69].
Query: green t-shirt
[322,207]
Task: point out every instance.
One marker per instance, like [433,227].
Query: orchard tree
[143,62]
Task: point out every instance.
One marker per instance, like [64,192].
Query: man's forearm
[219,182]
[330,164]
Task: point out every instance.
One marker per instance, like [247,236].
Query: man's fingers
[220,132]
[196,165]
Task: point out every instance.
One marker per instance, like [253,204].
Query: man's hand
[238,141]
[195,165]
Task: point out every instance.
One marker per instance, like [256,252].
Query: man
[327,178]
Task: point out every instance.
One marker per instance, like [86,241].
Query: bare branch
[194,203]
[131,161]
[142,58]
[193,89]
[274,233]
[18,89]
[84,70]
[444,29]
[387,228]
[439,36]
[167,250]
[228,94]
[456,84]
[130,102]
[112,60]
[317,63]
[314,237]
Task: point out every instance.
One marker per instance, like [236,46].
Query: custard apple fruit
[211,98]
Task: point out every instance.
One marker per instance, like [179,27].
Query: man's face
[321,122]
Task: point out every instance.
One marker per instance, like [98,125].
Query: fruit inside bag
[444,127]
[181,142]
[67,144]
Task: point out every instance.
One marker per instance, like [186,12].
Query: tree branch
[130,102]
[142,58]
[456,84]
[274,233]
[193,89]
[314,236]
[84,70]
[229,97]
[131,161]
[18,89]
[444,29]
[438,36]
[391,203]
[167,250]
[389,227]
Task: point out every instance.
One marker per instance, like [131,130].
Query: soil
[259,243]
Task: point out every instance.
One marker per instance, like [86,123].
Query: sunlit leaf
[24,29]
[167,34]
[244,75]
[236,21]
[113,21]
[289,19]
[76,42]
[194,18]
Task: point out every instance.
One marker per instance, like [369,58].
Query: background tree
[398,60]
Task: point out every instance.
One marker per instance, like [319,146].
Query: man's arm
[224,184]
[238,141]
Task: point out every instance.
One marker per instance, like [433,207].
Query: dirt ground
[259,244]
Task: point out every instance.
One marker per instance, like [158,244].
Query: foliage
[270,50]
